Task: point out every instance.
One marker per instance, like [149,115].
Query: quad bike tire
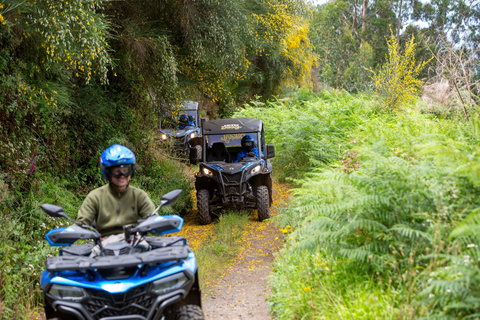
[263,203]
[198,152]
[189,312]
[203,207]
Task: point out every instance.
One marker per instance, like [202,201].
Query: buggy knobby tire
[189,312]
[198,152]
[263,204]
[203,206]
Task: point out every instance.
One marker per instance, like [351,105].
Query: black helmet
[183,118]
[248,143]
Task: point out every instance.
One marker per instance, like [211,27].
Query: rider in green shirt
[117,203]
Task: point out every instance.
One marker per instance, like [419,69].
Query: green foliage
[342,61]
[399,205]
[397,81]
[24,250]
[223,246]
[326,289]
[307,134]
[74,35]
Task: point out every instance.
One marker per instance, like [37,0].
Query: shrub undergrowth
[388,203]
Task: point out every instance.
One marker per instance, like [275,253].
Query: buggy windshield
[170,122]
[230,140]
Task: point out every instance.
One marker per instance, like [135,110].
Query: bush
[396,83]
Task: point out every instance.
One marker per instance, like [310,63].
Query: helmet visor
[248,145]
[123,170]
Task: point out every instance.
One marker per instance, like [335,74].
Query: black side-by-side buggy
[225,181]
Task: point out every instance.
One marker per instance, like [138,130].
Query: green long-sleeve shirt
[113,209]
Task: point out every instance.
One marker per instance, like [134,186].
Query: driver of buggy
[115,204]
[185,122]
[248,149]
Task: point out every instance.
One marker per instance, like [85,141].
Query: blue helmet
[114,156]
[248,143]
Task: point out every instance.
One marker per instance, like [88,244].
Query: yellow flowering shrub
[396,83]
[281,35]
[74,35]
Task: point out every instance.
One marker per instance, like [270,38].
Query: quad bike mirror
[171,197]
[270,151]
[53,211]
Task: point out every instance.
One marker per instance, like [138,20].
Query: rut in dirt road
[242,291]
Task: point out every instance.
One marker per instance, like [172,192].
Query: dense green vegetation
[385,223]
[77,76]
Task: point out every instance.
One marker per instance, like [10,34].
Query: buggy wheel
[263,205]
[189,312]
[198,151]
[203,207]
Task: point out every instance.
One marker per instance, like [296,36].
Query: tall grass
[391,209]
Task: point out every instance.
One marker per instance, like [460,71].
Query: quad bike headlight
[173,282]
[256,169]
[207,172]
[164,136]
[70,293]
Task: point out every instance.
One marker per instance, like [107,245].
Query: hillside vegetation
[386,219]
[77,76]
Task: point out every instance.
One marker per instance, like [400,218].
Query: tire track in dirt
[242,291]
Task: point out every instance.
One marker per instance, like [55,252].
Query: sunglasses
[124,170]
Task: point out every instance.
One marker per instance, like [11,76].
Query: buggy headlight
[207,172]
[169,283]
[193,134]
[256,169]
[164,136]
[63,292]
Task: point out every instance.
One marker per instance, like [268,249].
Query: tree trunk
[364,20]
[399,19]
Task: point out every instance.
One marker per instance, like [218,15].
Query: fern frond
[408,232]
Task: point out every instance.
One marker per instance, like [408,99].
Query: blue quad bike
[140,278]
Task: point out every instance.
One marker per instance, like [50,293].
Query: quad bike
[141,277]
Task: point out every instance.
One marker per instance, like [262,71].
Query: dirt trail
[242,291]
